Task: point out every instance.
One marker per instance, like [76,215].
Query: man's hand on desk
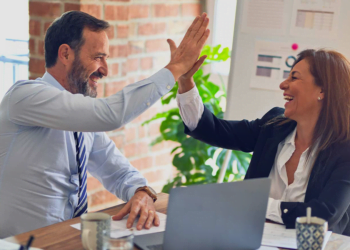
[140,204]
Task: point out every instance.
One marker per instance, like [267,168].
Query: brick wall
[138,48]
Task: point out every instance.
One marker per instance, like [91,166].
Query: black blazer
[328,190]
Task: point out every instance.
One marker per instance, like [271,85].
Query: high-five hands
[184,57]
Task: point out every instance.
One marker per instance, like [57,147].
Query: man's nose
[104,69]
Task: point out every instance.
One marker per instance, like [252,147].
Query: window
[223,27]
[14,37]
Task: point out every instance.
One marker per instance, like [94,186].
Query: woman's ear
[321,94]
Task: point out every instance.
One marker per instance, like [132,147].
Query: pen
[29,243]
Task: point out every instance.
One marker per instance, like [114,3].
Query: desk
[62,236]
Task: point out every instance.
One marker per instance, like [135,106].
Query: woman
[304,148]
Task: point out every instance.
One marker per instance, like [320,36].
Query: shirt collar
[47,77]
[290,139]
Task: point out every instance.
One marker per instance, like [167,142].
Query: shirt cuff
[274,210]
[164,80]
[187,97]
[132,190]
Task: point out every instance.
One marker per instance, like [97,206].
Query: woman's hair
[331,71]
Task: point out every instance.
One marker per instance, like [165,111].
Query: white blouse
[191,110]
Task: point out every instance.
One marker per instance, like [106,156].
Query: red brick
[135,149]
[146,63]
[178,27]
[138,11]
[191,9]
[118,51]
[37,65]
[122,31]
[118,140]
[142,131]
[136,47]
[93,184]
[113,12]
[46,26]
[41,48]
[92,9]
[102,197]
[110,32]
[132,64]
[157,45]
[31,46]
[153,129]
[164,10]
[165,145]
[158,175]
[148,29]
[164,159]
[124,69]
[113,87]
[142,77]
[114,69]
[143,163]
[34,27]
[44,9]
[71,6]
[130,134]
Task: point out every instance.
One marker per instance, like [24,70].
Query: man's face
[90,64]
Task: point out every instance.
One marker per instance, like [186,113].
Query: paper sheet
[272,63]
[121,225]
[278,236]
[315,18]
[263,17]
[5,245]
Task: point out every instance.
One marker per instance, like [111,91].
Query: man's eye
[98,58]
[294,78]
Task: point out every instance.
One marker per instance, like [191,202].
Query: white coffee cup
[92,227]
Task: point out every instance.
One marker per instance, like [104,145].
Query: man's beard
[78,79]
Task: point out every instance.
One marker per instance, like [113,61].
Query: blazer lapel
[270,148]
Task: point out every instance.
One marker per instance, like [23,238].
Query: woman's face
[301,94]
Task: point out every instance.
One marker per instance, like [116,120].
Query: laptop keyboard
[155,247]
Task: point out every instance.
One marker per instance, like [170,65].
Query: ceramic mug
[310,236]
[92,227]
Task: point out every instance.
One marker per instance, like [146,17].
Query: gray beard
[78,81]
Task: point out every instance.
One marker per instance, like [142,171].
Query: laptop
[213,216]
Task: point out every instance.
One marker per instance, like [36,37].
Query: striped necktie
[81,161]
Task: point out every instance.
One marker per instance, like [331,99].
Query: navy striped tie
[81,160]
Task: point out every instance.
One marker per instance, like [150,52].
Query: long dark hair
[331,71]
[68,29]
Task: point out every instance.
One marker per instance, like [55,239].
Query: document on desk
[278,236]
[120,226]
[5,245]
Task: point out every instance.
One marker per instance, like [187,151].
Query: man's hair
[68,29]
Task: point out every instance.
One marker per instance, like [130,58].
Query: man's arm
[42,105]
[114,171]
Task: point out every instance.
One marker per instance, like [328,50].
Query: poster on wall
[315,18]
[273,62]
[264,17]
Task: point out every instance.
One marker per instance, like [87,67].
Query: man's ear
[65,54]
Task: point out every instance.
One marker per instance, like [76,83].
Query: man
[44,155]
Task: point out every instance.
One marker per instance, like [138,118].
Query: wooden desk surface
[62,236]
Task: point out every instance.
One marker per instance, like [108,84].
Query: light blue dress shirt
[38,169]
